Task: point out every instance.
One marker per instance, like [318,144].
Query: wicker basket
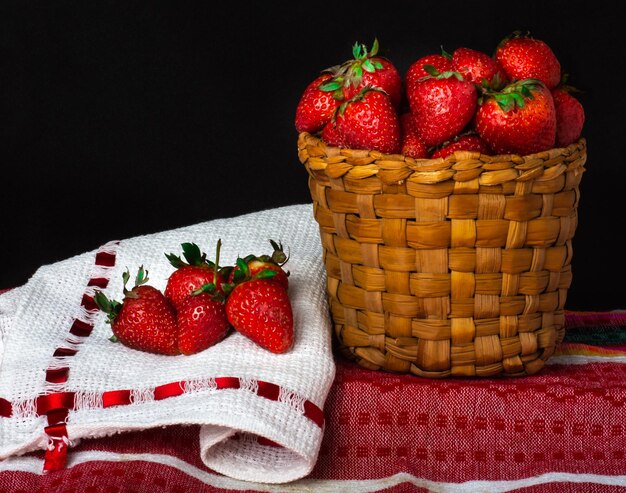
[446,267]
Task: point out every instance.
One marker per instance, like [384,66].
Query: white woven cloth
[35,321]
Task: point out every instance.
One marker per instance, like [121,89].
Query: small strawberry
[145,320]
[412,144]
[442,104]
[316,106]
[478,67]
[190,275]
[466,142]
[520,119]
[523,57]
[369,121]
[261,310]
[442,62]
[202,322]
[368,69]
[263,266]
[331,135]
[570,116]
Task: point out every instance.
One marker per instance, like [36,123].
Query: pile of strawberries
[514,102]
[202,302]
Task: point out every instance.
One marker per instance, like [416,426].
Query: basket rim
[460,166]
[307,138]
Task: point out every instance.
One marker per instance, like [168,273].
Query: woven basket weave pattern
[446,267]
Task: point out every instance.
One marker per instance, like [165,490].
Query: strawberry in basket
[342,82]
[570,115]
[442,104]
[145,320]
[464,100]
[523,57]
[520,119]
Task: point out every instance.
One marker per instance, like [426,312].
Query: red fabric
[568,419]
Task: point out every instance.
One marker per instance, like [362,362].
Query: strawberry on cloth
[260,413]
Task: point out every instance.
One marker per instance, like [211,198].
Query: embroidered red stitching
[57,404]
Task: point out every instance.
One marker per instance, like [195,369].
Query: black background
[125,118]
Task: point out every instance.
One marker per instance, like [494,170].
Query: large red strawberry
[523,57]
[478,67]
[261,310]
[465,142]
[570,116]
[442,63]
[368,69]
[145,320]
[196,272]
[316,105]
[262,266]
[369,121]
[520,119]
[202,322]
[412,144]
[442,104]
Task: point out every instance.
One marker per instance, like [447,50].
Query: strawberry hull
[450,267]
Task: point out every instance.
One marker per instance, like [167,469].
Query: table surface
[558,431]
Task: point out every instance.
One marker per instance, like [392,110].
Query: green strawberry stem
[211,286]
[434,73]
[515,94]
[192,254]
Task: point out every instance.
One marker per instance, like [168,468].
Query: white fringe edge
[110,247]
[199,385]
[293,400]
[87,400]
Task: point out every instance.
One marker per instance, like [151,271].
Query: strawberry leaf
[192,254]
[519,99]
[205,288]
[331,85]
[431,70]
[265,274]
[368,66]
[375,48]
[378,64]
[141,277]
[175,260]
[445,54]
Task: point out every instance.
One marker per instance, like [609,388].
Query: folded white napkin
[61,379]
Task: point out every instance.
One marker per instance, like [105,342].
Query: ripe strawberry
[442,62]
[316,106]
[523,57]
[412,144]
[467,142]
[331,135]
[369,121]
[191,275]
[570,116]
[520,119]
[261,310]
[442,105]
[367,69]
[478,67]
[202,322]
[262,267]
[145,320]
